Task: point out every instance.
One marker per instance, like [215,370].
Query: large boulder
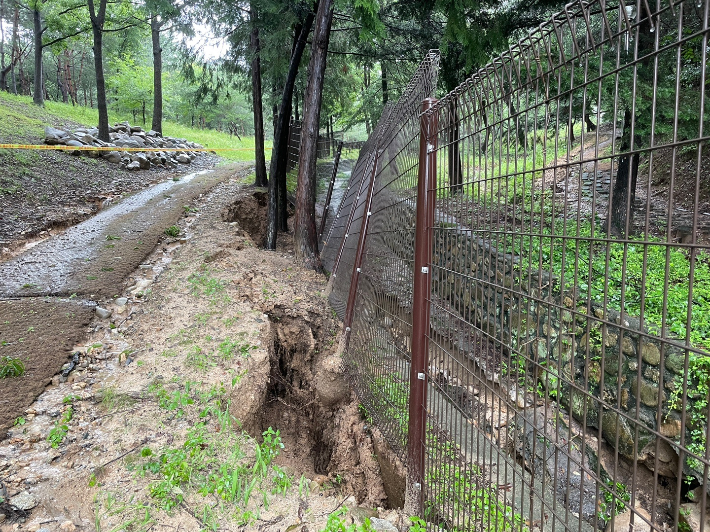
[54,136]
[183,159]
[113,157]
[143,162]
[129,142]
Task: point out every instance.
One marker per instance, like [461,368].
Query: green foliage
[335,523]
[172,231]
[203,284]
[11,367]
[582,262]
[61,428]
[698,394]
[213,465]
[613,503]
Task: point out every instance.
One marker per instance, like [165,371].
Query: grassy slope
[22,122]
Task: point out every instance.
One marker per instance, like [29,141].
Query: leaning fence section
[567,363]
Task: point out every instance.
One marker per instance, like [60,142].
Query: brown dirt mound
[250,213]
[41,333]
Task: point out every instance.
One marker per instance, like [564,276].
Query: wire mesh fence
[566,376]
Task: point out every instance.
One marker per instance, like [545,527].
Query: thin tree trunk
[97,26]
[15,48]
[260,159]
[279,153]
[332,136]
[624,192]
[2,45]
[385,90]
[295,105]
[306,236]
[454,154]
[157,124]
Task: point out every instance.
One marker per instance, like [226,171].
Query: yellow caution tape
[110,148]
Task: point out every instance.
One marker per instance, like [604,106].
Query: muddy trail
[50,293]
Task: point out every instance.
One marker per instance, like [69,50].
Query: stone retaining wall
[606,371]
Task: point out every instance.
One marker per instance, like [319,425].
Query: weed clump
[11,367]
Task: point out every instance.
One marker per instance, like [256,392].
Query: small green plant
[335,523]
[112,237]
[11,367]
[198,358]
[172,231]
[698,389]
[69,399]
[228,348]
[203,284]
[19,421]
[613,503]
[418,525]
[61,428]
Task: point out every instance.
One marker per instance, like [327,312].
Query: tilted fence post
[330,190]
[421,306]
[360,251]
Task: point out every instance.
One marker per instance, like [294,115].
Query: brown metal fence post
[330,190]
[426,196]
[357,263]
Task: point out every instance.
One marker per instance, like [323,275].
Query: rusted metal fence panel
[567,378]
[375,356]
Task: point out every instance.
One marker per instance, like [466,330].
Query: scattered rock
[113,157]
[102,313]
[124,135]
[24,501]
[382,525]
[67,526]
[121,301]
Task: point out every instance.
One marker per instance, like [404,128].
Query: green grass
[583,264]
[220,472]
[23,121]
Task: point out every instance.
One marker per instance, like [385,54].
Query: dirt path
[214,336]
[85,264]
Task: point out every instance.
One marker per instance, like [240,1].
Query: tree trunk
[624,191]
[157,124]
[282,211]
[454,154]
[306,236]
[385,90]
[623,194]
[97,27]
[60,84]
[15,48]
[279,153]
[2,45]
[332,136]
[260,159]
[295,105]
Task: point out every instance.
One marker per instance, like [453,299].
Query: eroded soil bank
[211,398]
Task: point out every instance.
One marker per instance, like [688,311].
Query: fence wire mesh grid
[567,366]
